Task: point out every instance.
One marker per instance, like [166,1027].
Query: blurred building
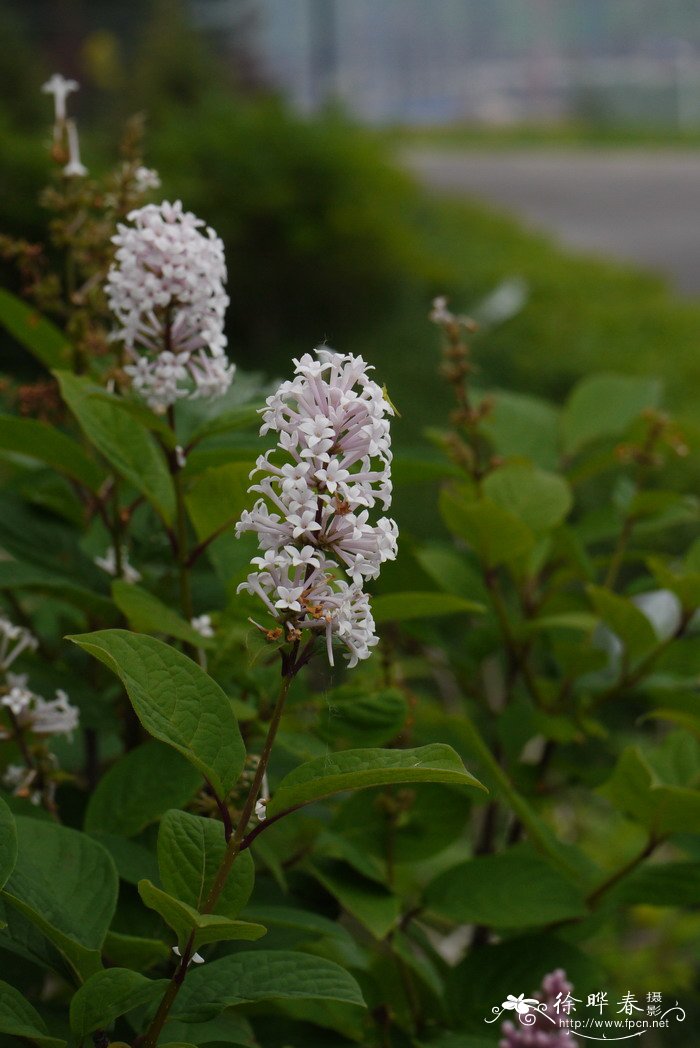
[493,61]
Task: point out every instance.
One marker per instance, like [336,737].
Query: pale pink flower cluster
[43,717]
[535,1030]
[166,289]
[27,710]
[318,488]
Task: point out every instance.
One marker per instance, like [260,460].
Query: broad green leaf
[135,952]
[604,405]
[36,333]
[626,621]
[175,700]
[217,497]
[8,843]
[15,575]
[578,621]
[370,903]
[496,535]
[466,736]
[661,884]
[134,861]
[357,769]
[364,720]
[38,440]
[450,570]
[65,883]
[685,584]
[139,788]
[400,607]
[123,441]
[18,935]
[245,416]
[139,411]
[18,1018]
[146,614]
[541,500]
[190,852]
[262,975]
[510,890]
[228,1028]
[520,425]
[107,995]
[635,789]
[184,919]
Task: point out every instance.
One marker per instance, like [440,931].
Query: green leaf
[175,700]
[146,614]
[8,843]
[65,883]
[138,411]
[635,788]
[510,890]
[184,920]
[15,574]
[525,426]
[541,500]
[135,952]
[364,720]
[661,884]
[450,570]
[123,441]
[245,416]
[465,735]
[139,788]
[217,497]
[370,903]
[626,621]
[36,333]
[496,535]
[400,607]
[578,621]
[604,405]
[226,1029]
[190,852]
[107,995]
[358,769]
[18,1018]
[262,975]
[37,440]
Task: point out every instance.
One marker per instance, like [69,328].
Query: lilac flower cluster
[329,470]
[536,1031]
[26,710]
[166,289]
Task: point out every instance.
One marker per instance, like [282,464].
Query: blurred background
[536,160]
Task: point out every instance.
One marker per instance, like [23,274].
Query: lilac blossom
[541,1029]
[318,543]
[166,290]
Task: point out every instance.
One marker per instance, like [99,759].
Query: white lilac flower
[196,958]
[331,467]
[74,168]
[166,290]
[20,779]
[60,88]
[31,711]
[13,641]
[108,563]
[146,178]
[202,624]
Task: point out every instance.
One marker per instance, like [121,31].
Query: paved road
[635,205]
